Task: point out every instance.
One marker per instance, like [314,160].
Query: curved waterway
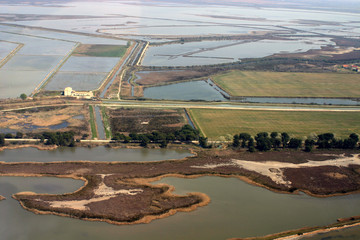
[100,154]
[237,209]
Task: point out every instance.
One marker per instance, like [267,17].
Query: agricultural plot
[217,123]
[281,84]
[145,120]
[98,50]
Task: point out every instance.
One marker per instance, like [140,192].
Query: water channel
[99,123]
[237,209]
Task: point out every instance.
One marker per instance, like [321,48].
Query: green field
[285,84]
[92,122]
[216,123]
[100,50]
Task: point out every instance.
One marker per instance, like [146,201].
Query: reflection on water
[101,154]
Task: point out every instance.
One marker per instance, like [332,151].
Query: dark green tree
[23,96]
[19,135]
[274,135]
[2,140]
[163,144]
[9,135]
[285,139]
[236,141]
[244,137]
[326,140]
[309,145]
[295,143]
[203,142]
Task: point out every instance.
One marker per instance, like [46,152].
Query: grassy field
[100,50]
[283,84]
[92,122]
[216,123]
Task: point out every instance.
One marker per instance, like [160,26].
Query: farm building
[69,92]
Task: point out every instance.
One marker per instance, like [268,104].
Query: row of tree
[265,142]
[185,134]
[48,138]
[58,138]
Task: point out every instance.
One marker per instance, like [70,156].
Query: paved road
[227,106]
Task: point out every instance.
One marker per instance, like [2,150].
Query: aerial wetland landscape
[179,119]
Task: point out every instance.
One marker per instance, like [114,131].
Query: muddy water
[237,209]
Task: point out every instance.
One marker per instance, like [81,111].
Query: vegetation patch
[216,123]
[106,122]
[92,122]
[151,78]
[145,120]
[35,120]
[99,50]
[286,84]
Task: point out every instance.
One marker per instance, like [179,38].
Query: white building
[69,92]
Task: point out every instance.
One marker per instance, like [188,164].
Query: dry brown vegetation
[152,78]
[141,120]
[40,119]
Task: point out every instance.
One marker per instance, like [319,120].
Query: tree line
[48,138]
[264,142]
[185,134]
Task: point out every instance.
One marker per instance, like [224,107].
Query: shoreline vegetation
[108,184]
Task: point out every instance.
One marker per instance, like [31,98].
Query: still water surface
[101,154]
[237,209]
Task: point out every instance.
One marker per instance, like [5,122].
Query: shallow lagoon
[236,209]
[31,63]
[6,48]
[78,81]
[216,52]
[101,154]
[89,64]
[13,83]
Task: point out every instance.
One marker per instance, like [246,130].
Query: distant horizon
[333,5]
